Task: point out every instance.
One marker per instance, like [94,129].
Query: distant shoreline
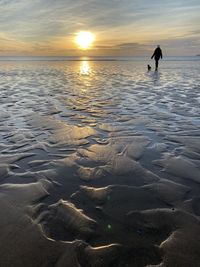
[95,58]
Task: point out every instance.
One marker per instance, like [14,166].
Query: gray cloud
[39,21]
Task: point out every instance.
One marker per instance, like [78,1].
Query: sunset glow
[96,28]
[84,39]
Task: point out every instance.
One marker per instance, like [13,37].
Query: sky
[121,27]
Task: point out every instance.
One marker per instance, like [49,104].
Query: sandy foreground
[99,164]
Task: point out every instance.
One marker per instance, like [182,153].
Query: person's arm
[161,53]
[153,55]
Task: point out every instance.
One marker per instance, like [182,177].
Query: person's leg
[156,64]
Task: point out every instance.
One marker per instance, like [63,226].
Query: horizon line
[91,58]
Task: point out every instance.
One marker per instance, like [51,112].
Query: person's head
[158,46]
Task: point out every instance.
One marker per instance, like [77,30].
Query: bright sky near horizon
[121,27]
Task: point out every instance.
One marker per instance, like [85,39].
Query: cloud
[119,24]
[123,49]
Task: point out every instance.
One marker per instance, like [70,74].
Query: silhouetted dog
[149,67]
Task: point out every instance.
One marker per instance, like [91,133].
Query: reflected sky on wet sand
[103,155]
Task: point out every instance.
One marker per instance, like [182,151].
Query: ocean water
[95,58]
[104,152]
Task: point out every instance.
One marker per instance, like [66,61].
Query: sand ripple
[110,158]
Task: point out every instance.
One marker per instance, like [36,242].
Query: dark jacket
[157,54]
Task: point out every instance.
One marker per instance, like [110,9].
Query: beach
[100,163]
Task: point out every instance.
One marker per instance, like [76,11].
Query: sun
[84,39]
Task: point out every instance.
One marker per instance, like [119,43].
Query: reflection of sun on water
[85,68]
[85,76]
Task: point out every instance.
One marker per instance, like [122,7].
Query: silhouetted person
[157,55]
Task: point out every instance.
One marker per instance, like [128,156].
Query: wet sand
[99,164]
